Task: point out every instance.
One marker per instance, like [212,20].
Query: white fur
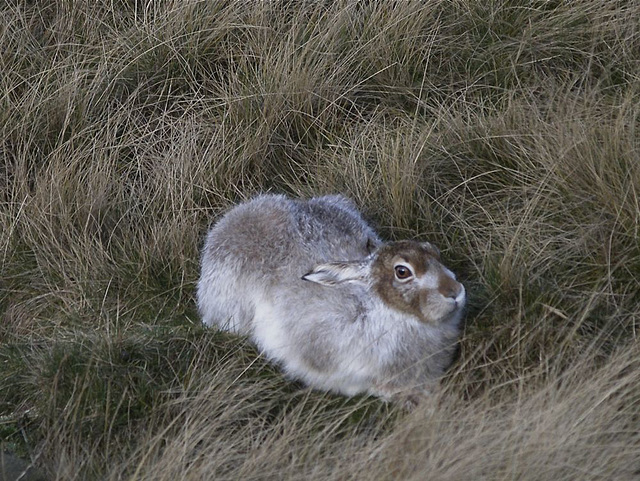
[428,281]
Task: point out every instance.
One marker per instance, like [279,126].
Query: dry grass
[505,132]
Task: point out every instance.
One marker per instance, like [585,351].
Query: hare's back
[334,229]
[259,233]
[272,233]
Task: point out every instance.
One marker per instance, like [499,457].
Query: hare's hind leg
[220,305]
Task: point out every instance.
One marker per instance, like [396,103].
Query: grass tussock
[504,132]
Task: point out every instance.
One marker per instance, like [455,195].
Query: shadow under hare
[312,284]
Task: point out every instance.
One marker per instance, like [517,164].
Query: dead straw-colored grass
[504,132]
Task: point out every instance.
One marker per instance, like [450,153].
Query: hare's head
[406,275]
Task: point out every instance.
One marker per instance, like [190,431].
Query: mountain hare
[310,282]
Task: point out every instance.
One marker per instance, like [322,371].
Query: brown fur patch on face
[406,297]
[448,287]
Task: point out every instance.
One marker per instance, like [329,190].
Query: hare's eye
[403,272]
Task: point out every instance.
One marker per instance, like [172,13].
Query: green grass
[504,132]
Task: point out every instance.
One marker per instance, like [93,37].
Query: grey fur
[297,277]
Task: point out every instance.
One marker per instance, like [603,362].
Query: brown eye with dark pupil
[402,272]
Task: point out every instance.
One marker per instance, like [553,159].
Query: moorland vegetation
[505,132]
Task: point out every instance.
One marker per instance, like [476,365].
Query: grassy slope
[505,132]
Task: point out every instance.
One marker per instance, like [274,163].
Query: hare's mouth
[443,310]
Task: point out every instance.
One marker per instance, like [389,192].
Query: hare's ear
[334,273]
[429,247]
